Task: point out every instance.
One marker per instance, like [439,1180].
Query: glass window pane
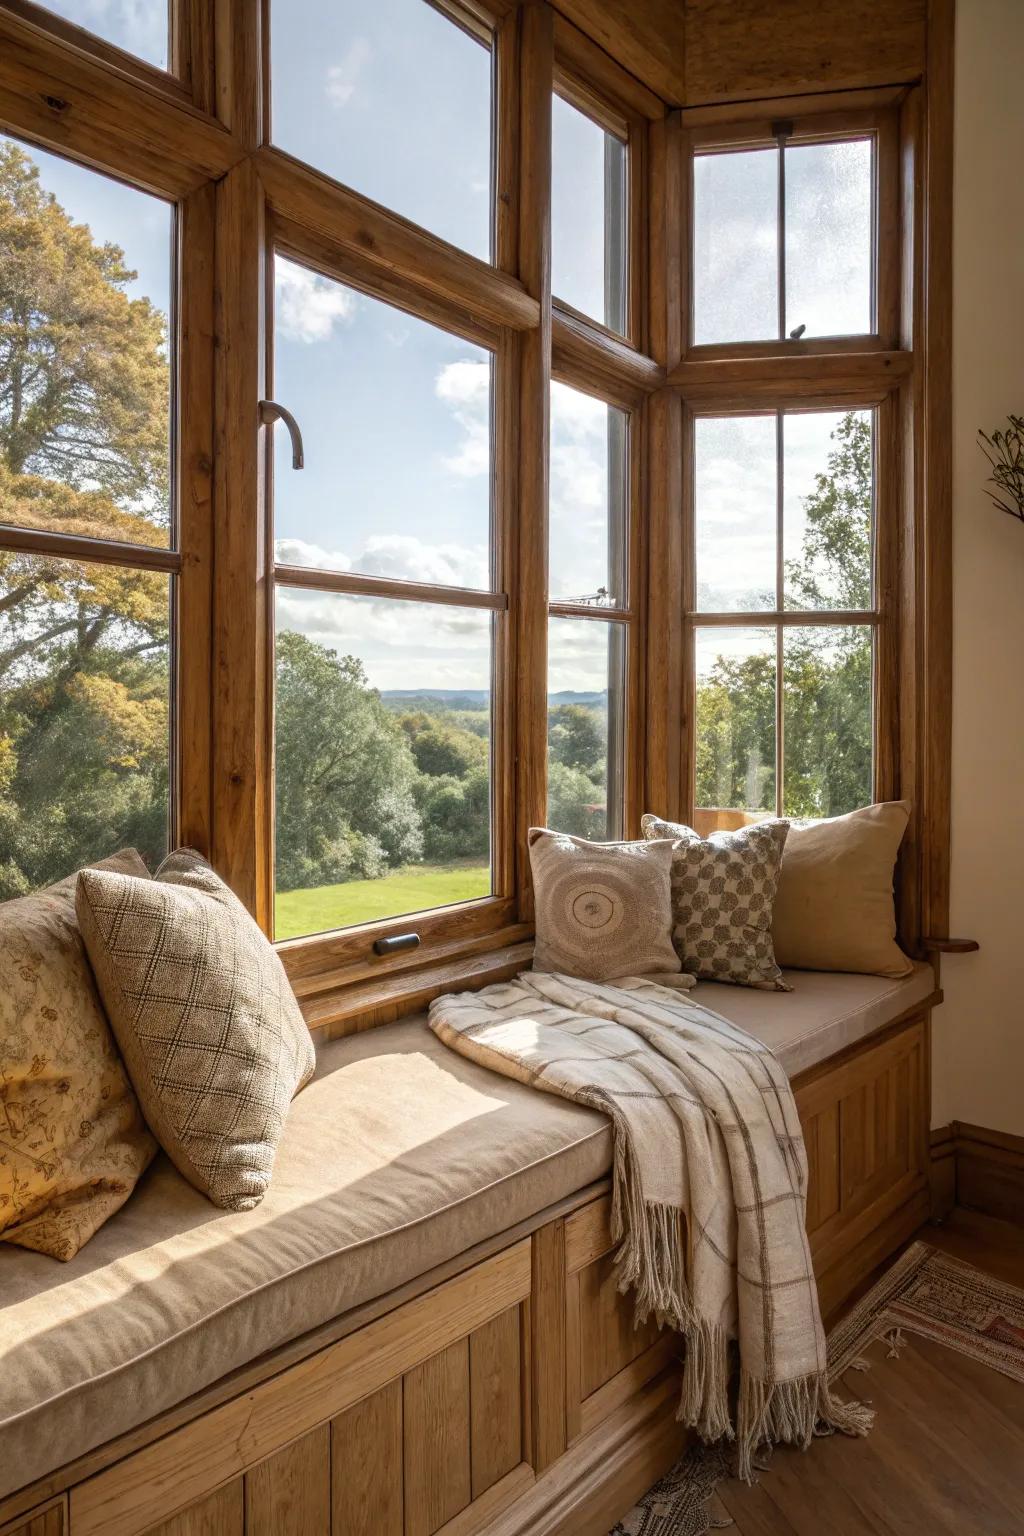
[828,502]
[85,374]
[392,98]
[829,197]
[735,670]
[735,246]
[735,512]
[382,758]
[588,216]
[395,417]
[586,709]
[587,524]
[84,716]
[137,27]
[827,720]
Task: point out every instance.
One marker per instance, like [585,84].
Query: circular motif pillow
[603,910]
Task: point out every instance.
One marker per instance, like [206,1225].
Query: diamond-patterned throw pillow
[723,894]
[210,1031]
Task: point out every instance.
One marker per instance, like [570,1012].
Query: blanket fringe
[651,1259]
[791,1412]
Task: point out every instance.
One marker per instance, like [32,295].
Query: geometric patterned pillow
[723,894]
[208,1026]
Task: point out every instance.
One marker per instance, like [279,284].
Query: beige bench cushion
[397,1156]
[825,1012]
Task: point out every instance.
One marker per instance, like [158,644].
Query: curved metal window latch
[270,412]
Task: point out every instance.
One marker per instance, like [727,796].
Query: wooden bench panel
[175,1473]
[607,1358]
[47,1520]
[865,1123]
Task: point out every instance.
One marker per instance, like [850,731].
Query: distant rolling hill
[476,698]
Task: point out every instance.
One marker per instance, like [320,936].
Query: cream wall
[978,1069]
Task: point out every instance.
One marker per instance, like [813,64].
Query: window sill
[356,1004]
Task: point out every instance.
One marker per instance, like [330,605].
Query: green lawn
[411,889]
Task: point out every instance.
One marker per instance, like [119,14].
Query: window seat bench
[409,1178]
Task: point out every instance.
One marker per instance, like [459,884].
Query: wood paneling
[777,47]
[366,1462]
[865,1123]
[547,1345]
[220,1514]
[647,39]
[289,1494]
[436,1455]
[183,1466]
[609,1341]
[496,1399]
[50,1521]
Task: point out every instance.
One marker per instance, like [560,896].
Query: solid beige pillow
[602,910]
[73,1142]
[834,910]
[723,891]
[212,1036]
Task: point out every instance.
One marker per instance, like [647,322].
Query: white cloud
[308,306]
[402,645]
[407,558]
[299,552]
[343,77]
[466,387]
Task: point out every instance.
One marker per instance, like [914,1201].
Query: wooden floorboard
[946,1457]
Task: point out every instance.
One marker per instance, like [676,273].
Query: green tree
[826,671]
[345,772]
[441,748]
[576,737]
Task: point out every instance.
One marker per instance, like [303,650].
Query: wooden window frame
[190,47]
[880,123]
[486,914]
[187,560]
[882,617]
[200,140]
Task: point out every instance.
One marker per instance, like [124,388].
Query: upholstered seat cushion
[824,1013]
[397,1156]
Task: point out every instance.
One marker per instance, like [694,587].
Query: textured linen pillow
[723,890]
[602,910]
[209,1028]
[834,910]
[73,1142]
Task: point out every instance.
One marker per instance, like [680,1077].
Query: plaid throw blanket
[710,1184]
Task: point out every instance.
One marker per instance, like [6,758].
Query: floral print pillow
[73,1142]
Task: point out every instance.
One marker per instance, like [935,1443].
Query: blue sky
[138,26]
[394,100]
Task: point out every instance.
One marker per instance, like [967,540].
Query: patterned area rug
[925,1292]
[941,1298]
[677,1505]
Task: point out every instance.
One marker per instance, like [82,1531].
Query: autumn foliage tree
[84,423]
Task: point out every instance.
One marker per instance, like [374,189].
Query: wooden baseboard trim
[977,1168]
